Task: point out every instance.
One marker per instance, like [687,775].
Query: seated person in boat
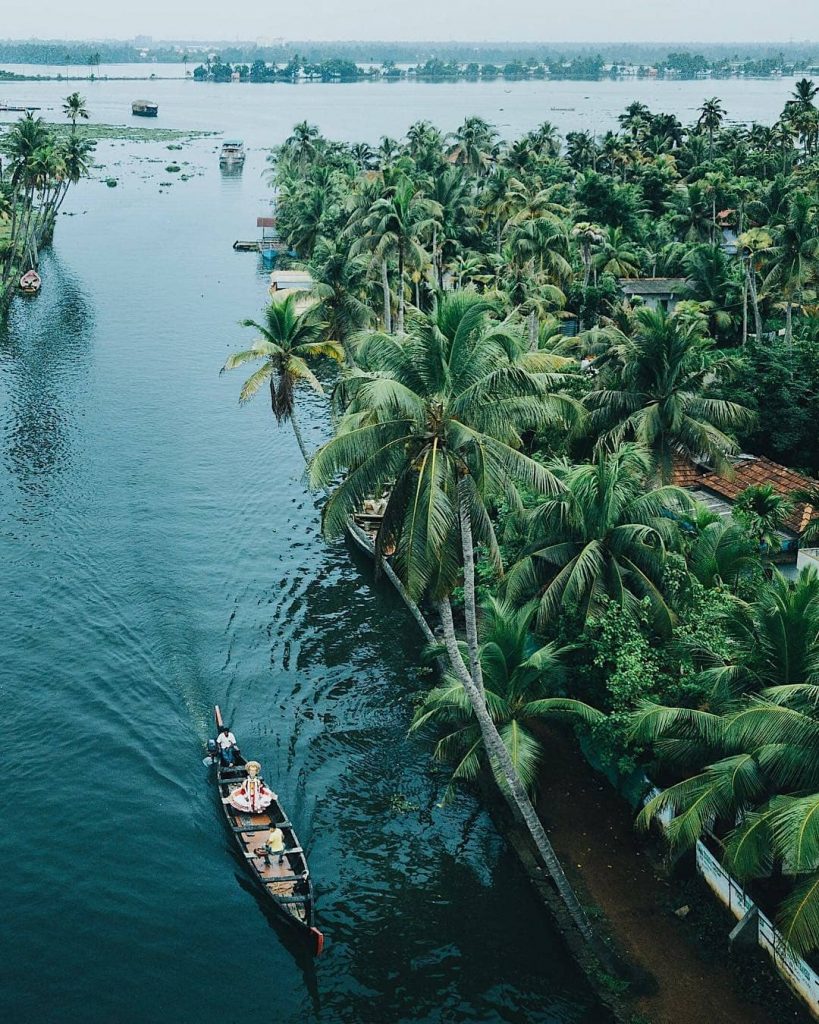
[226,742]
[253,795]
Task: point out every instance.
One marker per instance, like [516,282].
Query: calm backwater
[159,553]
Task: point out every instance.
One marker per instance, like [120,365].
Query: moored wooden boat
[30,282]
[287,886]
[144,108]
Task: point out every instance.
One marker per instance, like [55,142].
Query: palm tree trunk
[513,791]
[789,322]
[745,310]
[470,610]
[400,290]
[385,284]
[533,331]
[754,300]
[294,423]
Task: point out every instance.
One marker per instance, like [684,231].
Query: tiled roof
[653,285]
[749,471]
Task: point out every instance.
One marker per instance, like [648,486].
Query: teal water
[160,553]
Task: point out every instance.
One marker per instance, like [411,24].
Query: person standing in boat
[226,742]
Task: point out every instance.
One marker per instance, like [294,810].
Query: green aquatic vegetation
[173,168]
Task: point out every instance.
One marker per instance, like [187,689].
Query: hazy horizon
[640,21]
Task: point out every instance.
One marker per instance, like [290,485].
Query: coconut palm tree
[763,512]
[616,255]
[754,244]
[434,417]
[473,145]
[340,288]
[395,224]
[601,537]
[794,256]
[711,117]
[74,108]
[660,395]
[751,775]
[518,676]
[287,342]
[721,554]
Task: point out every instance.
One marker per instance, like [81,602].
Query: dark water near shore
[159,552]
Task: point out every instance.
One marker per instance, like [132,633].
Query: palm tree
[763,512]
[755,782]
[473,144]
[602,537]
[303,144]
[660,395]
[287,341]
[722,555]
[340,288]
[434,417]
[711,117]
[794,256]
[518,674]
[616,255]
[75,108]
[769,640]
[395,224]
[754,244]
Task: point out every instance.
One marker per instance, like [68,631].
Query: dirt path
[592,831]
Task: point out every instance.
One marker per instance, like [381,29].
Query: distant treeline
[692,59]
[299,68]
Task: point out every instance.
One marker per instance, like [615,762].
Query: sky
[439,20]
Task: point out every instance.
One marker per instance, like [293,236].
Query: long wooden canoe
[287,886]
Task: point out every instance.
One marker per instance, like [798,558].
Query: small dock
[8,108]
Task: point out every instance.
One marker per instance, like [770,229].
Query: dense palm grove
[38,166]
[520,422]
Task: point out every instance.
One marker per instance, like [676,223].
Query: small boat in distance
[233,152]
[144,108]
[286,884]
[30,282]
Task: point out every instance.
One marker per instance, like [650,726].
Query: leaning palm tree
[519,678]
[660,395]
[602,537]
[287,341]
[434,418]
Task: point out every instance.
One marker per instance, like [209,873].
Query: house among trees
[719,493]
[655,292]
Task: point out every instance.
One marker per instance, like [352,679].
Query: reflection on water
[164,555]
[44,356]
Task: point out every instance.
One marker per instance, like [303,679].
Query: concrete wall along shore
[797,972]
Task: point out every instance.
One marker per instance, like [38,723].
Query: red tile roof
[749,471]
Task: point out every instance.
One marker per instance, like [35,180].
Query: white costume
[252,796]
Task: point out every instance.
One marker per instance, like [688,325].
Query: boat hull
[287,886]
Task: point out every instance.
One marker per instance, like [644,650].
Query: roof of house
[749,471]
[653,285]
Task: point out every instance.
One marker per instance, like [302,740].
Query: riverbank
[686,956]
